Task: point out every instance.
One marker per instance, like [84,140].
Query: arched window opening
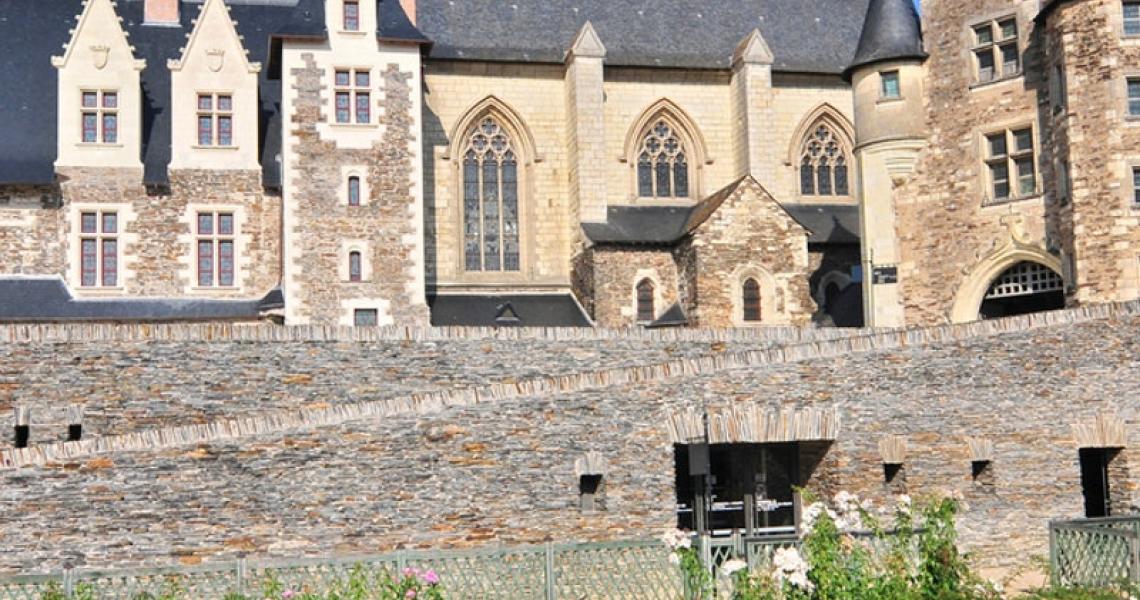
[354,191]
[490,200]
[751,300]
[355,269]
[1024,288]
[823,164]
[645,309]
[662,166]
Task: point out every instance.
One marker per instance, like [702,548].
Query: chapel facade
[416,162]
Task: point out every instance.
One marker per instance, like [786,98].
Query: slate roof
[24,299]
[522,310]
[32,31]
[808,36]
[892,31]
[674,317]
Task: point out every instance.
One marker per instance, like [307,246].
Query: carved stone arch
[825,113]
[972,293]
[769,307]
[506,116]
[686,129]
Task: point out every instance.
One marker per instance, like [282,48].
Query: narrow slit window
[751,300]
[355,272]
[354,191]
[645,301]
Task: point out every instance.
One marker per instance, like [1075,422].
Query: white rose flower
[732,566]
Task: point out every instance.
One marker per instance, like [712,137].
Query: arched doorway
[1026,287]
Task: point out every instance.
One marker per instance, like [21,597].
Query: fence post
[1054,559]
[241,575]
[68,582]
[551,584]
[1134,545]
[705,551]
[401,562]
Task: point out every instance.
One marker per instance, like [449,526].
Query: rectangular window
[353,95]
[216,256]
[1134,96]
[1132,18]
[215,120]
[354,191]
[997,51]
[1010,154]
[351,15]
[100,117]
[890,84]
[355,272]
[99,249]
[1136,186]
[365,317]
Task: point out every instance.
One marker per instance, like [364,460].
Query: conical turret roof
[891,32]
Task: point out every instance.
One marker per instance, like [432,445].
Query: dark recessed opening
[1094,481]
[979,468]
[23,434]
[74,433]
[589,486]
[893,473]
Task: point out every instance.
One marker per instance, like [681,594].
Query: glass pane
[1023,140]
[985,65]
[841,188]
[1136,186]
[824,180]
[110,223]
[997,144]
[644,176]
[225,103]
[205,131]
[362,79]
[225,131]
[110,100]
[1026,178]
[342,78]
[89,223]
[226,263]
[90,99]
[491,239]
[645,311]
[891,84]
[354,266]
[471,215]
[205,263]
[354,191]
[205,223]
[110,263]
[807,180]
[1131,18]
[351,16]
[90,263]
[664,186]
[225,224]
[1134,107]
[343,104]
[1008,29]
[365,317]
[110,128]
[90,128]
[362,108]
[510,213]
[1010,60]
[751,300]
[205,102]
[983,34]
[1000,175]
[681,176]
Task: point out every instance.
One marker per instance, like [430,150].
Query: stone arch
[770,313]
[972,292]
[506,116]
[824,113]
[842,132]
[686,129]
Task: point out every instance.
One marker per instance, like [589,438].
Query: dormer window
[215,120]
[351,15]
[100,117]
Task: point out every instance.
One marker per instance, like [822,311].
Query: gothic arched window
[751,299]
[645,309]
[490,200]
[824,164]
[662,167]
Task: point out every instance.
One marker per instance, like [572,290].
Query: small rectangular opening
[23,435]
[589,486]
[1094,482]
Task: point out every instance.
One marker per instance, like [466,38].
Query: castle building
[597,163]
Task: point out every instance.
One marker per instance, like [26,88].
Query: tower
[887,81]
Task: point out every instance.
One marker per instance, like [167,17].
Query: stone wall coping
[428,403]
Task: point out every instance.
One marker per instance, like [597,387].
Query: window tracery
[490,199]
[824,164]
[662,164]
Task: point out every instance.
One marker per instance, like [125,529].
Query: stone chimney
[161,12]
[409,9]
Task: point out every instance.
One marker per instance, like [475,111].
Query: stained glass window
[824,164]
[491,200]
[662,169]
[100,117]
[353,96]
[215,120]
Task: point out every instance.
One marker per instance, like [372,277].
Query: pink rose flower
[431,578]
[411,594]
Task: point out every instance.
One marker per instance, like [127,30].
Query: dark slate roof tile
[530,310]
[674,317]
[810,36]
[892,31]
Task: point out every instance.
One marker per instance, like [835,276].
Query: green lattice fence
[1095,552]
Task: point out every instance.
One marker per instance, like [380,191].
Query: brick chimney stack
[409,9]
[161,12]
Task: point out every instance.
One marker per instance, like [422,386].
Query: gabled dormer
[100,99]
[214,103]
